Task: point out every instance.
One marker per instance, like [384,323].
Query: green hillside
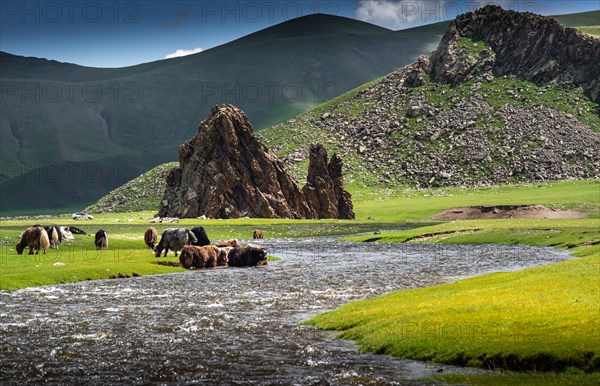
[141,193]
[587,22]
[406,142]
[580,19]
[139,115]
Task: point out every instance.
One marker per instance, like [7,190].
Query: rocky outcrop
[324,189]
[529,46]
[226,172]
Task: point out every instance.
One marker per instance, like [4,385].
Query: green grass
[501,91]
[522,379]
[590,30]
[540,319]
[417,204]
[475,46]
[81,261]
[580,19]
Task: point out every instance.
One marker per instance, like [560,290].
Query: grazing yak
[257,234]
[175,239]
[229,243]
[34,237]
[101,240]
[150,237]
[201,236]
[54,235]
[249,256]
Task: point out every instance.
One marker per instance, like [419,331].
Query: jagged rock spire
[226,172]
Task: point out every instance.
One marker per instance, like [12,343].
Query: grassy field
[522,379]
[376,211]
[128,255]
[412,204]
[591,30]
[539,319]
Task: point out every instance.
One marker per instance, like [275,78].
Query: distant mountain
[72,133]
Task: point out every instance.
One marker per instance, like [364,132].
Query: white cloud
[182,52]
[401,14]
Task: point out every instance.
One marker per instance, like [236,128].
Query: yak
[101,240]
[175,239]
[35,238]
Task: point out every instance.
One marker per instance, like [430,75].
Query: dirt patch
[504,211]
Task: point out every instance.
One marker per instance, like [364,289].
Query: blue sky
[121,33]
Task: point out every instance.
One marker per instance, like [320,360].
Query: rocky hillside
[506,97]
[532,47]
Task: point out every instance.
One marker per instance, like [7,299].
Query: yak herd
[197,252]
[196,249]
[39,238]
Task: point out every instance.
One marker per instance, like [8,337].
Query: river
[233,325]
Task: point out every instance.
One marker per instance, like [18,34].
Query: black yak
[249,256]
[201,236]
[101,240]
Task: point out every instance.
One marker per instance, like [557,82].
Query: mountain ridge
[141,119]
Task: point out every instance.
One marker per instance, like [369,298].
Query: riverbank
[127,255]
[233,325]
[376,210]
[539,319]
